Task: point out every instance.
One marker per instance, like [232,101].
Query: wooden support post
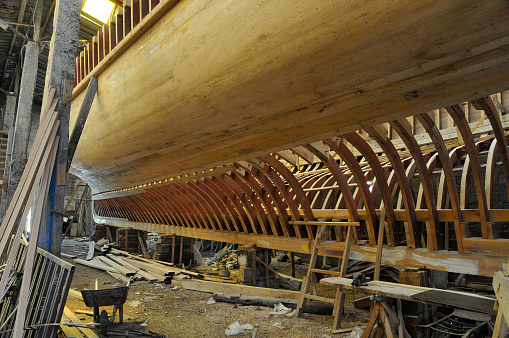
[292,263]
[108,234]
[379,246]
[126,237]
[139,242]
[181,247]
[253,266]
[266,255]
[173,249]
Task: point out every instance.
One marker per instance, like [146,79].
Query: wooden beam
[451,261]
[79,124]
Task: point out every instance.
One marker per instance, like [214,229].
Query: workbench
[449,298]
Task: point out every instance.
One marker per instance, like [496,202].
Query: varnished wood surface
[217,82]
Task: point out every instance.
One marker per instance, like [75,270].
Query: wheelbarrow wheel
[104,317]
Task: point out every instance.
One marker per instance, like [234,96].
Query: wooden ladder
[308,289]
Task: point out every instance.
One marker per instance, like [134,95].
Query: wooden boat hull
[213,82]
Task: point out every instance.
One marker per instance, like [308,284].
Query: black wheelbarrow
[106,297]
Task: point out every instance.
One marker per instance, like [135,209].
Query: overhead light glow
[99,9]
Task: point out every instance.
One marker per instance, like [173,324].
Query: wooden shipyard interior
[255,168]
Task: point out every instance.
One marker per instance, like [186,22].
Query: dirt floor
[174,312]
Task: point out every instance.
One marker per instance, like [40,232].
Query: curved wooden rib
[195,208]
[430,166]
[242,202]
[157,205]
[490,171]
[234,202]
[228,218]
[365,149]
[352,163]
[459,118]
[294,184]
[445,160]
[288,196]
[237,219]
[380,135]
[277,199]
[195,217]
[178,208]
[404,130]
[205,205]
[340,178]
[486,104]
[265,210]
[168,214]
[250,202]
[213,207]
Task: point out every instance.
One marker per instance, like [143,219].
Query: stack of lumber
[124,266]
[31,190]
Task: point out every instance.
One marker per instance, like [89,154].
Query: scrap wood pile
[124,267]
[387,272]
[23,311]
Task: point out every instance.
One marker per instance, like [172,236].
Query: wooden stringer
[308,289]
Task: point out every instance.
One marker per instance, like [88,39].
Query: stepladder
[321,244]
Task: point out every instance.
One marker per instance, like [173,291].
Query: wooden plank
[32,246]
[246,290]
[379,247]
[79,123]
[75,294]
[69,331]
[45,134]
[73,319]
[481,246]
[91,250]
[142,245]
[95,264]
[122,269]
[455,299]
[142,273]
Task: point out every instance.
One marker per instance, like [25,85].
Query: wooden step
[327,272]
[325,223]
[330,248]
[320,298]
